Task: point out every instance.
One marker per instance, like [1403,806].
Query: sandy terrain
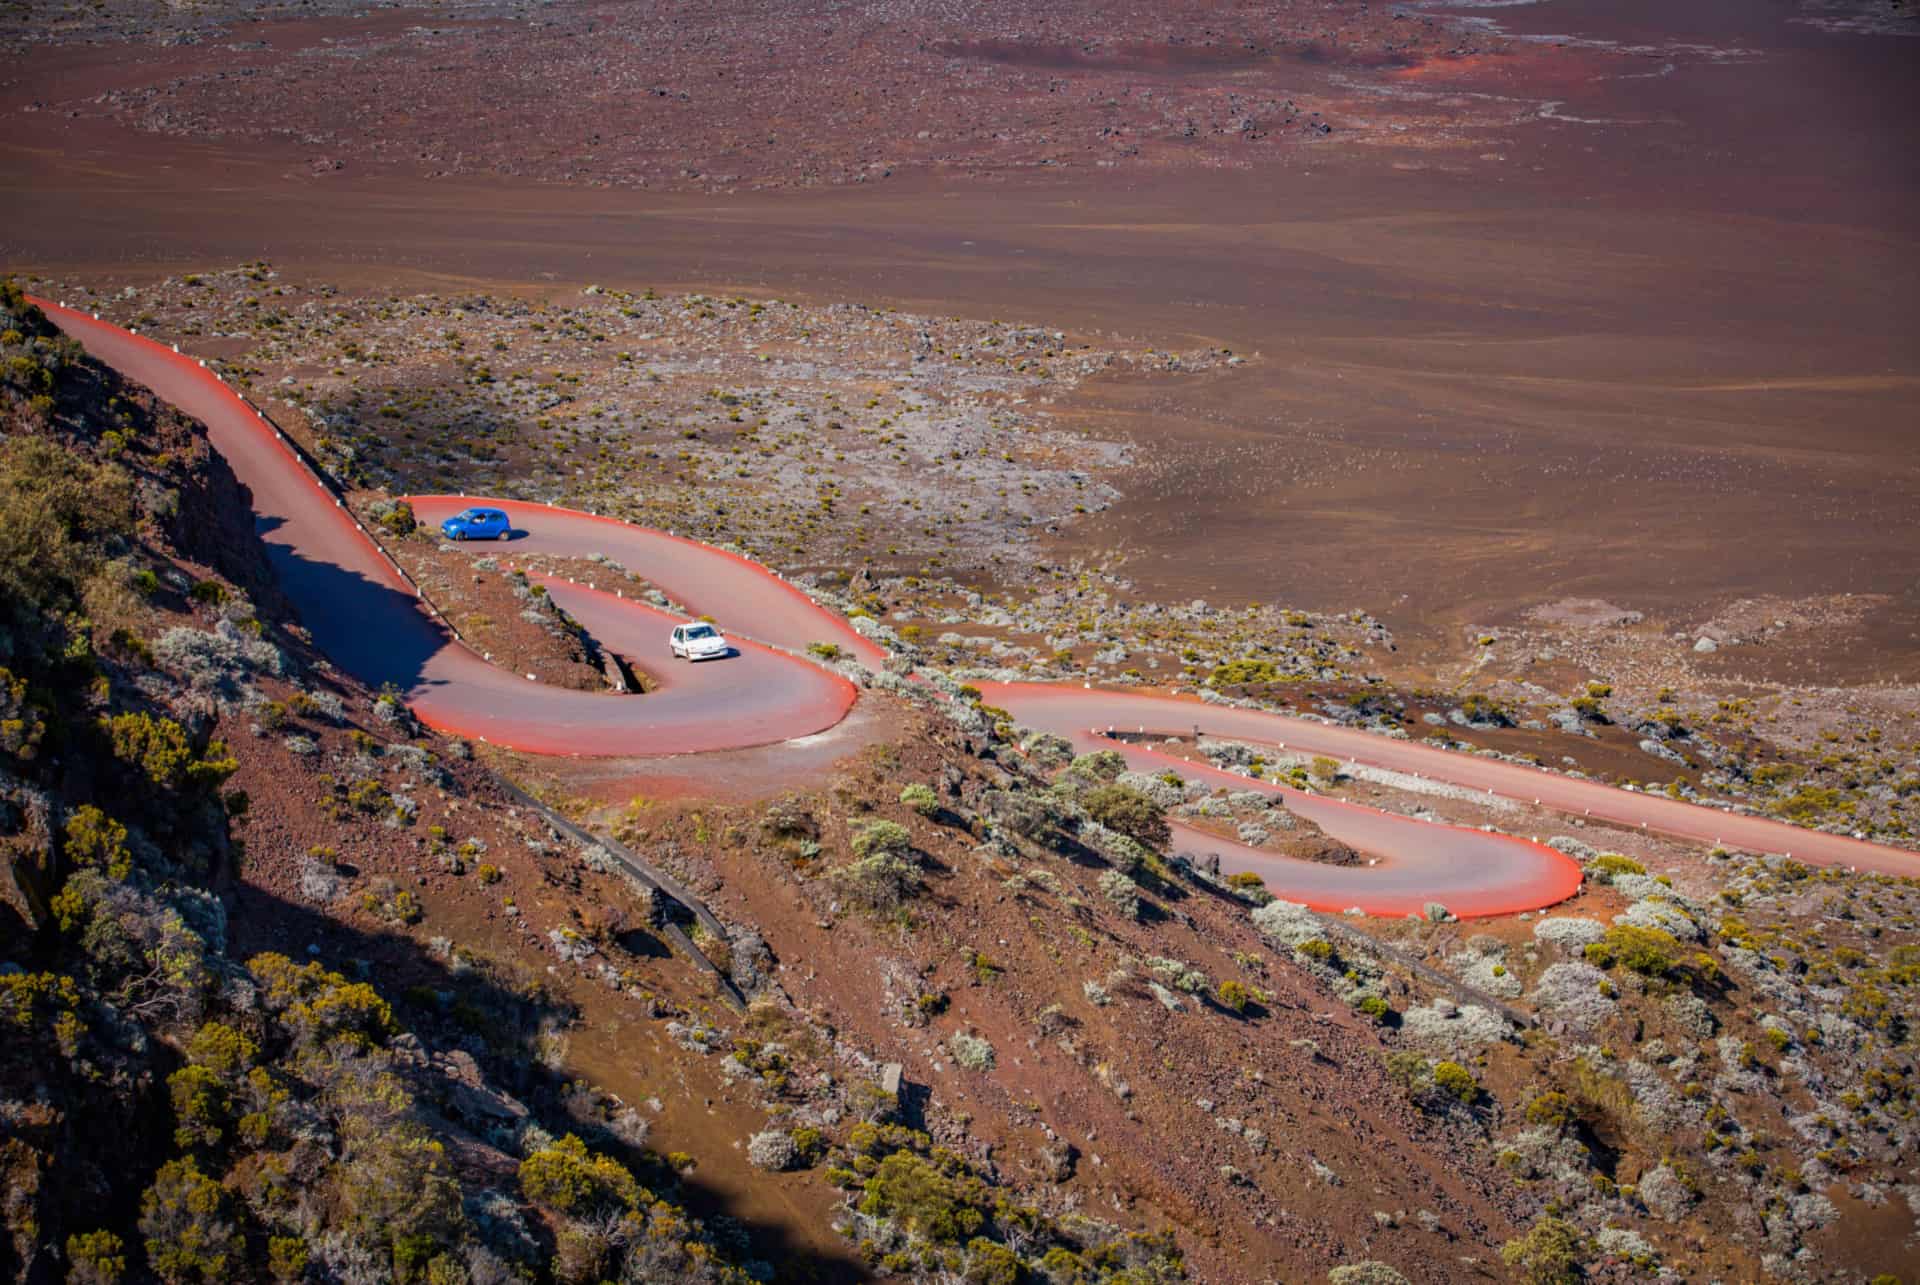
[1588,354]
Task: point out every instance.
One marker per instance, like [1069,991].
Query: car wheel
[503,535]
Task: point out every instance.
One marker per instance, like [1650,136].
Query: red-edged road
[366,617]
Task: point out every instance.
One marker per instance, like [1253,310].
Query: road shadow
[377,633]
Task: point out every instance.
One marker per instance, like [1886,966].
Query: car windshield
[473,515]
[703,631]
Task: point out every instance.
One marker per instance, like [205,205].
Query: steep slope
[199,1081]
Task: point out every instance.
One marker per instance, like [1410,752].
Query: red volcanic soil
[753,94]
[1618,304]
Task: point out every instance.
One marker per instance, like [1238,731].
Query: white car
[699,642]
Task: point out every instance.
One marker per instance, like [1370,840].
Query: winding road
[366,616]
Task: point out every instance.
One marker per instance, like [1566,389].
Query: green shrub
[567,1178]
[1235,996]
[1123,892]
[96,1258]
[1810,803]
[1179,974]
[184,1221]
[1239,673]
[221,1049]
[1407,1069]
[159,750]
[396,516]
[1100,765]
[1375,1007]
[1548,1254]
[920,798]
[882,882]
[808,1145]
[287,1258]
[396,905]
[1651,952]
[984,967]
[879,838]
[1481,708]
[1555,1110]
[1367,1273]
[990,1263]
[58,513]
[923,1201]
[971,1051]
[1317,949]
[97,841]
[199,1106]
[1609,865]
[1456,1081]
[318,1005]
[1127,811]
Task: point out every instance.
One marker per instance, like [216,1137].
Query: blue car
[477,524]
